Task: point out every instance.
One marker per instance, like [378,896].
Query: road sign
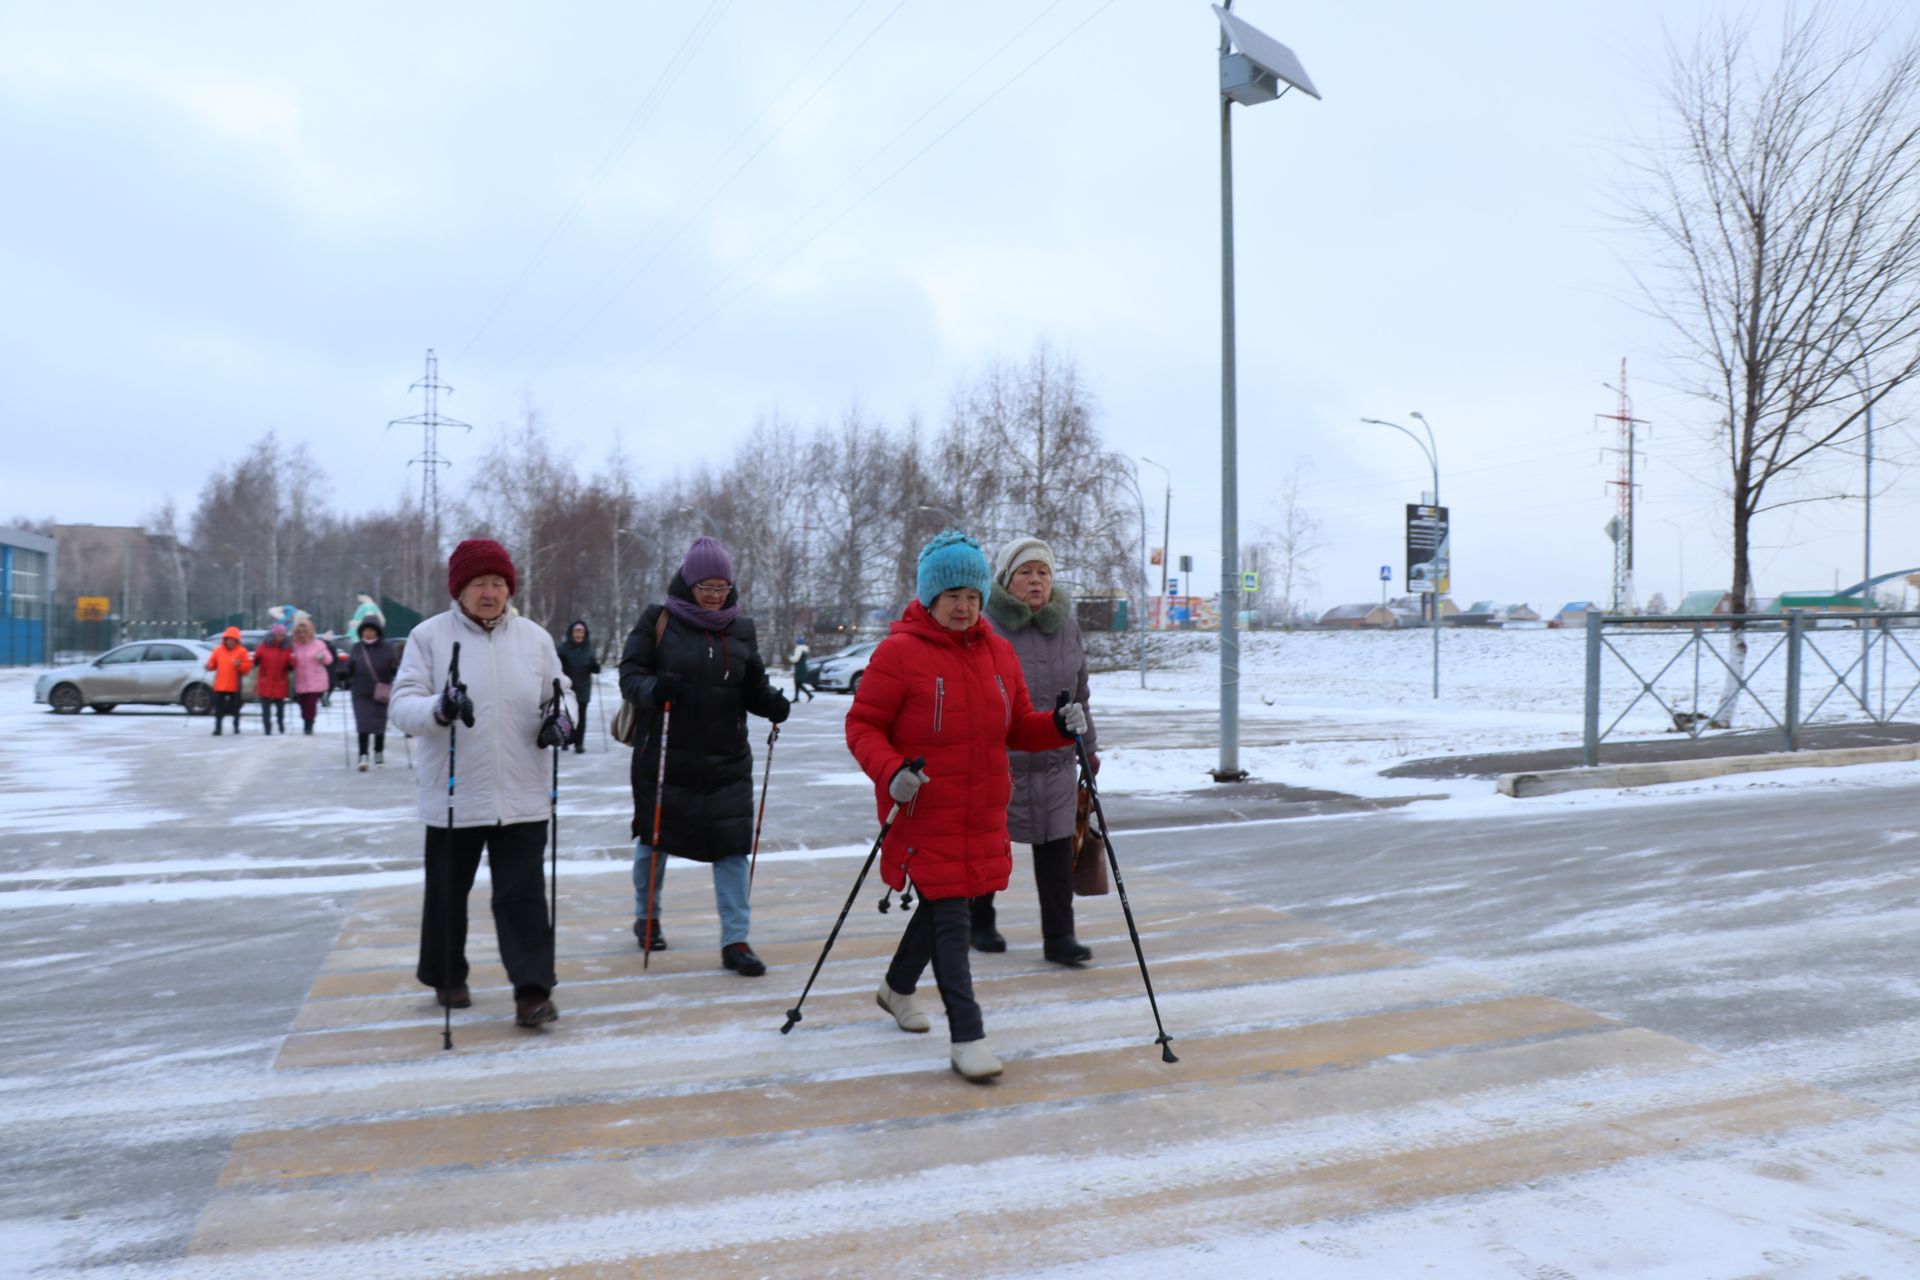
[1173,586]
[1186,564]
[1386,573]
[1428,549]
[1249,583]
[92,608]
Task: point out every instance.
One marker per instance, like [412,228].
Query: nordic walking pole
[1086,773]
[553,825]
[446,888]
[653,849]
[793,1014]
[604,746]
[773,736]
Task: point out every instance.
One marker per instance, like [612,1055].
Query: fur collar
[1013,615]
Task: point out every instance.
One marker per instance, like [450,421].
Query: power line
[731,178]
[857,202]
[669,76]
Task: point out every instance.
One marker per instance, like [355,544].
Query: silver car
[840,672]
[151,672]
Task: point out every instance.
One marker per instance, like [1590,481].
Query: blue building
[26,598]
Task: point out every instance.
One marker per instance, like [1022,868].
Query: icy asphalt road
[166,900]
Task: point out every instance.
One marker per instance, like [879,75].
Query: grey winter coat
[371,664]
[1047,640]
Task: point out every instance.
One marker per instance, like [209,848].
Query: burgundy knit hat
[474,557]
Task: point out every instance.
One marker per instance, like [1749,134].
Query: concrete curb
[1549,782]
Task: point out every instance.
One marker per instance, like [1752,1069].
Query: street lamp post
[1254,68]
[1432,451]
[1139,624]
[1166,525]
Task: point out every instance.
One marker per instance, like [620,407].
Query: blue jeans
[729,890]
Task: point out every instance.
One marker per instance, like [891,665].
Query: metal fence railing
[1682,673]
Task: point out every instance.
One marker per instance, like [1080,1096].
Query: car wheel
[197,699]
[853,685]
[66,700]
[101,708]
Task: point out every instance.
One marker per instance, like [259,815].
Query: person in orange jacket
[229,662]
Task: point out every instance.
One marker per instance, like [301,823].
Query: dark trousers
[937,932]
[271,709]
[379,744]
[1053,876]
[224,705]
[519,904]
[580,721]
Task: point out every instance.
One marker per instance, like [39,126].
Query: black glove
[454,705]
[667,687]
[556,729]
[780,709]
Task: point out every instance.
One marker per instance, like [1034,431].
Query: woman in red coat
[944,687]
[273,659]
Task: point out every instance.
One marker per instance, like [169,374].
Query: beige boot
[975,1061]
[905,1010]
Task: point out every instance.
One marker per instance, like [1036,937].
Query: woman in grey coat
[375,661]
[1036,617]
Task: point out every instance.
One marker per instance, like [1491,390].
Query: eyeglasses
[713,588]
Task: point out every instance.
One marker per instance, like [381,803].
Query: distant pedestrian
[943,687]
[697,653]
[1036,617]
[274,661]
[801,669]
[311,679]
[503,792]
[371,669]
[578,661]
[229,663]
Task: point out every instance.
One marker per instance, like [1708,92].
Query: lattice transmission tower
[1620,527]
[429,461]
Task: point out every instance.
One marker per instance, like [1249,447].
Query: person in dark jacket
[577,660]
[942,687]
[1036,617]
[374,662]
[693,663]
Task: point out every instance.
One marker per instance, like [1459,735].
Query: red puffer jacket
[959,699]
[273,660]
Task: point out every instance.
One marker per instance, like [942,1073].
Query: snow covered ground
[130,842]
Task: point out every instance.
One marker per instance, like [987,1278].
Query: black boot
[641,935]
[739,957]
[987,938]
[1067,950]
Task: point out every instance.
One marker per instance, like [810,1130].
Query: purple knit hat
[706,558]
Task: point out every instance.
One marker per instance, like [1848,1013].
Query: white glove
[906,785]
[1071,719]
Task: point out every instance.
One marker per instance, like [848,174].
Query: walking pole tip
[793,1016]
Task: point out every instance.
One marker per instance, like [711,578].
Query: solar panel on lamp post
[1254,68]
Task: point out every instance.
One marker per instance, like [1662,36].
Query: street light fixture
[955,521]
[1428,447]
[1254,68]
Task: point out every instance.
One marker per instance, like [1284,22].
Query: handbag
[626,721]
[1089,868]
[382,690]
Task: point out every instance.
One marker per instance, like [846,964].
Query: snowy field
[128,839]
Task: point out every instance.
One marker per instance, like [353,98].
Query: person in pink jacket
[311,679]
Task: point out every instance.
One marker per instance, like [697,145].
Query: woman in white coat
[508,718]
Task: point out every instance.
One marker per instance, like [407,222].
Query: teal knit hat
[952,560]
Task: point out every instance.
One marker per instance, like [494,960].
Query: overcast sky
[667,219]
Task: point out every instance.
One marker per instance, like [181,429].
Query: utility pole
[430,463]
[1620,528]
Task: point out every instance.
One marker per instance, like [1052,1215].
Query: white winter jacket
[502,775]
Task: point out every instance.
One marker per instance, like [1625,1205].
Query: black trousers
[1053,876]
[380,745]
[580,721]
[519,904]
[272,709]
[224,705]
[937,932]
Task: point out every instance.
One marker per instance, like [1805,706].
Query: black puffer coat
[708,812]
[577,660]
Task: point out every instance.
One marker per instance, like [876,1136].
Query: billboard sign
[1429,549]
[91,608]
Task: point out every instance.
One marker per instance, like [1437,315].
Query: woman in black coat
[374,662]
[692,666]
[581,666]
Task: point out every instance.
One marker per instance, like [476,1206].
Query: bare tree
[1294,543]
[1784,206]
